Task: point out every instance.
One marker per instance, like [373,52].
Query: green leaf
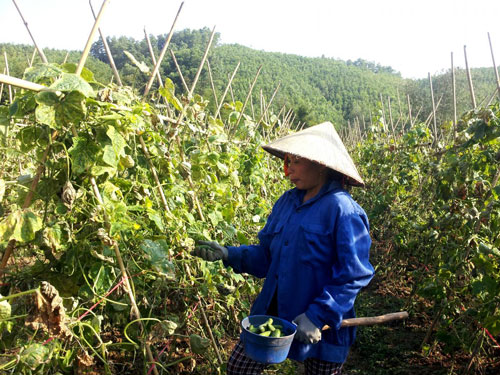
[103,277]
[242,239]
[86,74]
[20,225]
[199,345]
[2,189]
[157,254]
[40,72]
[98,170]
[142,66]
[156,218]
[71,82]
[34,355]
[168,326]
[5,309]
[46,115]
[113,152]
[71,109]
[4,120]
[83,154]
[168,92]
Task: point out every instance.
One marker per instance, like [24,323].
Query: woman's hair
[333,175]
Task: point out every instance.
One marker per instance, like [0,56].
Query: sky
[414,37]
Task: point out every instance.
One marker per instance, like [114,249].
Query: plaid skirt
[240,364]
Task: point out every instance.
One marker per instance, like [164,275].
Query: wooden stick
[371,320]
[469,78]
[1,86]
[184,84]
[226,90]
[399,105]
[248,95]
[108,50]
[212,84]
[269,104]
[390,119]
[155,175]
[66,58]
[33,55]
[454,92]
[40,51]
[153,57]
[8,73]
[494,66]
[433,109]
[86,50]
[383,113]
[8,80]
[200,68]
[409,110]
[162,54]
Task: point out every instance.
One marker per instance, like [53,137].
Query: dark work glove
[210,251]
[307,332]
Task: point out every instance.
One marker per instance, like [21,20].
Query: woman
[313,252]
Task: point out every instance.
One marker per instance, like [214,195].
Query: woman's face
[306,175]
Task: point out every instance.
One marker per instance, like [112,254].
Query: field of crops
[103,193]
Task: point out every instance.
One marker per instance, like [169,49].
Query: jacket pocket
[318,246]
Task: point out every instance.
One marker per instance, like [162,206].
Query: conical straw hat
[321,144]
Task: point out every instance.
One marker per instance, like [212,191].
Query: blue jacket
[314,255]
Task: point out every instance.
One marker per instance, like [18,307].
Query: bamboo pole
[33,55]
[383,113]
[153,57]
[179,71]
[21,83]
[399,106]
[469,79]
[162,54]
[231,92]
[390,119]
[494,66]
[40,51]
[409,110]
[86,50]
[454,92]
[200,68]
[212,84]
[108,50]
[226,90]
[8,74]
[66,58]
[1,86]
[433,109]
[269,104]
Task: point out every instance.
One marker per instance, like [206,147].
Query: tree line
[316,89]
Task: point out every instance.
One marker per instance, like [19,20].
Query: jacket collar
[326,188]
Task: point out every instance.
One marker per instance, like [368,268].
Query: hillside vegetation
[316,89]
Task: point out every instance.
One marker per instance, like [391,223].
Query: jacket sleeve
[351,271]
[254,259]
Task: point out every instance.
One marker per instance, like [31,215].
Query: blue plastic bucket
[267,349]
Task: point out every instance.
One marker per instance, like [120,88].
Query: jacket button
[286,243]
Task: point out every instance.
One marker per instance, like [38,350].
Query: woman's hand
[210,251]
[307,332]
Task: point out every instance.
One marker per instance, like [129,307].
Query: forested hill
[317,89]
